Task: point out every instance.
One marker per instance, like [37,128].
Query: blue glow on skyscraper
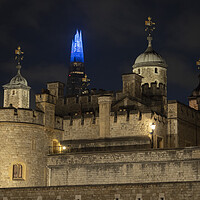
[77,48]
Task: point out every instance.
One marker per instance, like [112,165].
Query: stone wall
[148,72]
[136,166]
[183,125]
[23,144]
[25,141]
[152,191]
[121,125]
[21,115]
[19,98]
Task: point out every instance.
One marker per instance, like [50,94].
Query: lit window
[17,171]
[56,147]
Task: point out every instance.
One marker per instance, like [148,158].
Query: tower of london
[95,144]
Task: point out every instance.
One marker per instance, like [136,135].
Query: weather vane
[19,55]
[198,63]
[150,26]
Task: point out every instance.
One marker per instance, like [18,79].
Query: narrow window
[156,70]
[89,98]
[17,171]
[77,99]
[127,116]
[82,119]
[71,121]
[115,117]
[138,71]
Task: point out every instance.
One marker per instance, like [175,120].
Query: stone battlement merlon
[21,115]
[154,89]
[116,117]
[48,98]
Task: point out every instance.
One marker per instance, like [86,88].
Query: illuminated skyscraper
[77,81]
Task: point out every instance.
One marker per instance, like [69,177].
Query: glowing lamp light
[64,147]
[69,75]
[153,126]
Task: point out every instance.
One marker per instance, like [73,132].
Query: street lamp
[153,126]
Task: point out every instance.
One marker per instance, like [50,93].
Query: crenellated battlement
[87,99]
[159,90]
[27,116]
[45,97]
[21,115]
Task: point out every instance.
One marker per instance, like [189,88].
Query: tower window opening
[17,171]
[138,71]
[77,99]
[156,70]
[89,98]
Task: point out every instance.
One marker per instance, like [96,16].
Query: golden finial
[19,55]
[198,63]
[150,26]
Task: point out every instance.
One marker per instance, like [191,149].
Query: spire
[77,48]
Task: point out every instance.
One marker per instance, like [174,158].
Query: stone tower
[17,92]
[194,98]
[153,68]
[150,65]
[77,81]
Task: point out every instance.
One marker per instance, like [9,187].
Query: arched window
[156,70]
[17,171]
[56,147]
[138,71]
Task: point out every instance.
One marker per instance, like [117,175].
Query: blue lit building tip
[77,48]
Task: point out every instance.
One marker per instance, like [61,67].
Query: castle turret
[150,65]
[194,98]
[46,102]
[77,81]
[17,92]
[132,85]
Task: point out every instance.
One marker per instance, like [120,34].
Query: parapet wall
[153,89]
[136,166]
[155,191]
[183,125]
[122,124]
[21,115]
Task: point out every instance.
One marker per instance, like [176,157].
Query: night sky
[113,37]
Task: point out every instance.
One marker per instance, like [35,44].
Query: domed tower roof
[149,58]
[18,79]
